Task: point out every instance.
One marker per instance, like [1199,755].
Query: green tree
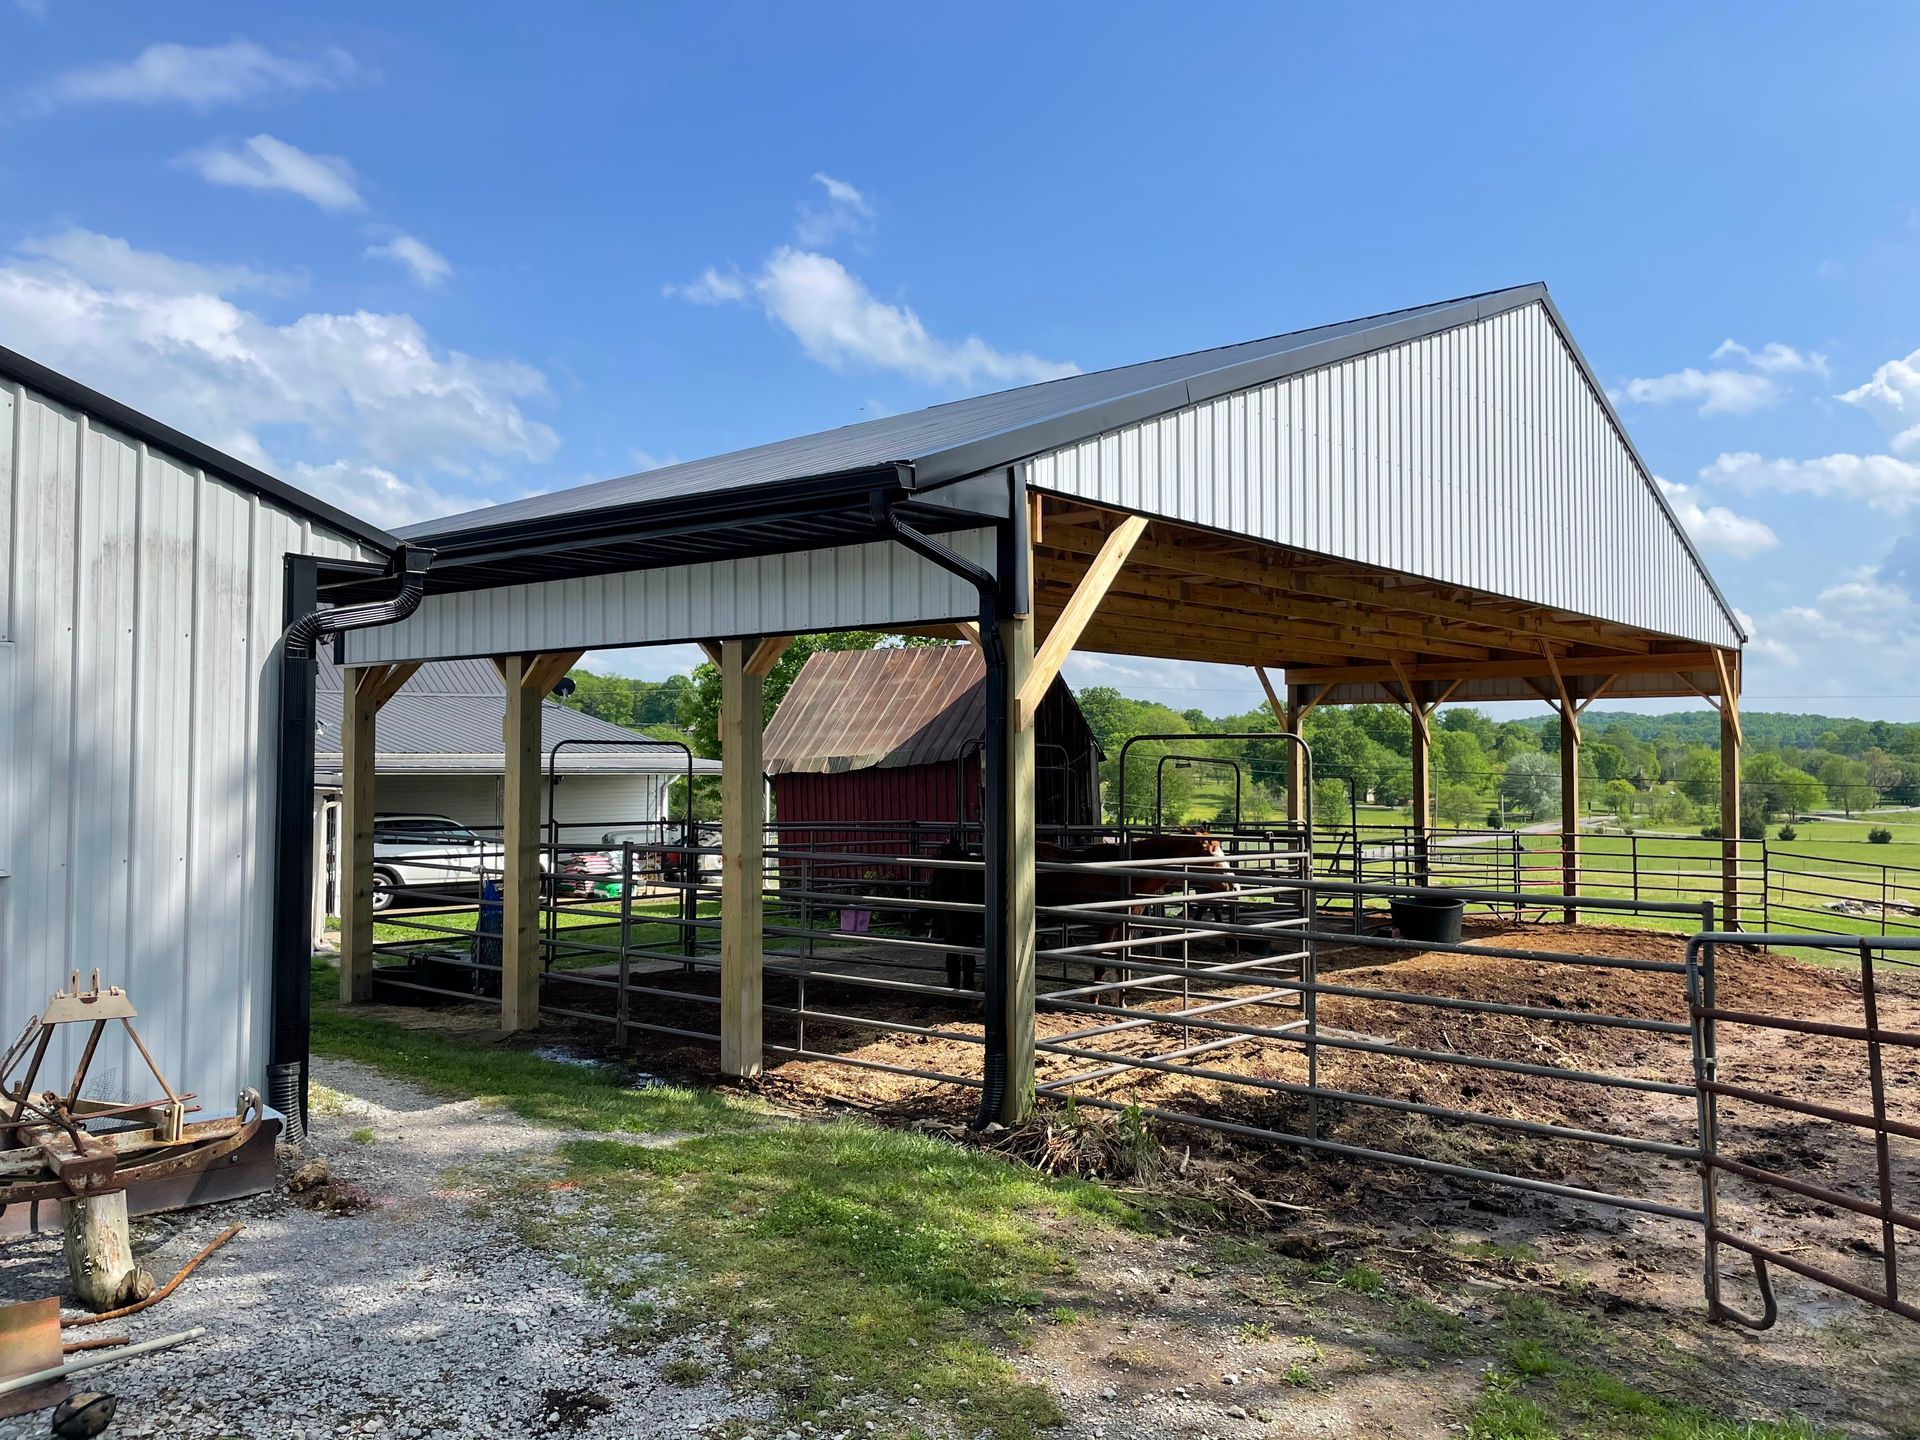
[1780,788]
[1459,759]
[1699,775]
[1531,783]
[1457,804]
[1846,784]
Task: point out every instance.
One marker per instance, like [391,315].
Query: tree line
[1645,769]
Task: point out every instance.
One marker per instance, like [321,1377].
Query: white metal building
[142,578]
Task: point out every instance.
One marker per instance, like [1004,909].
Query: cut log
[100,1252]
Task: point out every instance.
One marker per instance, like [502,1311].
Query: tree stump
[100,1252]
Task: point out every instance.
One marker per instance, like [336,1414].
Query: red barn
[866,739]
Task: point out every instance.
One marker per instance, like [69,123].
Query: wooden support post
[520,844]
[1299,800]
[1016,635]
[357,714]
[1420,755]
[1731,739]
[1569,808]
[99,1252]
[743,817]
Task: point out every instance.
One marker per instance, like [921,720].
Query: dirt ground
[1159,1325]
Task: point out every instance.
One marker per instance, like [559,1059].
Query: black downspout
[993,817]
[293,870]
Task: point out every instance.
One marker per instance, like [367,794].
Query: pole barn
[144,587]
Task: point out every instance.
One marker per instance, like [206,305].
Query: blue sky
[417,258]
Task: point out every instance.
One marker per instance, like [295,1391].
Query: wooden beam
[1072,620]
[1266,604]
[742,877]
[1155,638]
[1569,807]
[389,683]
[1036,518]
[1273,698]
[711,648]
[767,654]
[1420,754]
[1183,551]
[1559,680]
[1729,692]
[1194,616]
[357,743]
[1570,665]
[1018,855]
[1732,740]
[546,670]
[520,851]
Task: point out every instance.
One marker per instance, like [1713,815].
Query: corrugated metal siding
[1480,457]
[851,709]
[580,800]
[839,589]
[144,600]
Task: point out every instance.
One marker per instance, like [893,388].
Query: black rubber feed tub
[1437,921]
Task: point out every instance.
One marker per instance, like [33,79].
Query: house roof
[880,709]
[447,720]
[183,447]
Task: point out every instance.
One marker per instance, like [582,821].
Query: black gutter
[993,818]
[293,869]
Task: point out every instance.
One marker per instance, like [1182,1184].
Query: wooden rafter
[1179,551]
[766,655]
[546,671]
[1074,616]
[1570,665]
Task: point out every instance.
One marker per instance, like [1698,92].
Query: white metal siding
[589,800]
[844,588]
[143,598]
[1480,457]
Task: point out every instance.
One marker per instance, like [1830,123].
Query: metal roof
[447,719]
[183,447]
[881,709]
[818,490]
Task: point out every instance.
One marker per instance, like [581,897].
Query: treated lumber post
[1016,635]
[358,710]
[1569,808]
[1420,754]
[520,851]
[743,818]
[99,1252]
[1730,743]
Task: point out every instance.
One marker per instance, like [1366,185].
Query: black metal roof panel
[964,437]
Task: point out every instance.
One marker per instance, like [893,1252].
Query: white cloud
[1893,396]
[264,163]
[845,212]
[644,460]
[840,323]
[373,492]
[1733,392]
[368,390]
[1746,384]
[712,288]
[199,76]
[1773,357]
[427,265]
[111,261]
[1883,482]
[1715,527]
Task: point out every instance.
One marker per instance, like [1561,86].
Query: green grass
[1552,1381]
[838,1259]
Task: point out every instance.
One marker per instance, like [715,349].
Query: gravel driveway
[421,1315]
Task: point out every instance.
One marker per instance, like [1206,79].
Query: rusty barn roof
[866,709]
